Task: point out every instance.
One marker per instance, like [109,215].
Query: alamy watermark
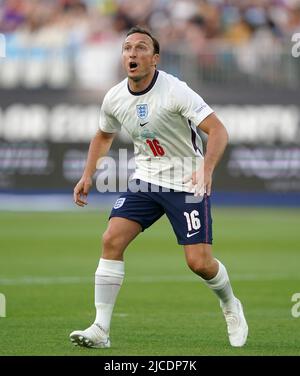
[2,46]
[117,174]
[2,305]
[295,311]
[296,46]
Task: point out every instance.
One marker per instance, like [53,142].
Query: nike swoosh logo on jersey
[194,233]
[142,124]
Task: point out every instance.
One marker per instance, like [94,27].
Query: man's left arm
[216,144]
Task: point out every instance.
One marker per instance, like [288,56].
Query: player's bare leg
[108,280]
[201,261]
[119,233]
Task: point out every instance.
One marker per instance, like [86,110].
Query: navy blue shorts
[190,218]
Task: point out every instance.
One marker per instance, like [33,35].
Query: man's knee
[112,244]
[201,261]
[200,266]
[119,234]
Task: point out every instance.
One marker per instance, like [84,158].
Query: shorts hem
[128,217]
[191,242]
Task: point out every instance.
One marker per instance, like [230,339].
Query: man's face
[138,56]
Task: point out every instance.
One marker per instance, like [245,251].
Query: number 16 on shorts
[193,222]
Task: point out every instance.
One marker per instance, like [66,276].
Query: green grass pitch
[48,260]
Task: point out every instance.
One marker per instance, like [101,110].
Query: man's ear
[156,59]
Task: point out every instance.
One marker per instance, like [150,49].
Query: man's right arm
[99,148]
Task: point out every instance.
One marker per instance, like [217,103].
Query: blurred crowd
[173,21]
[90,30]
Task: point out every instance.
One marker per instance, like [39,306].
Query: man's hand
[99,147]
[81,191]
[200,182]
[195,182]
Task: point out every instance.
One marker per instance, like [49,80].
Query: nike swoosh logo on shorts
[194,233]
[142,124]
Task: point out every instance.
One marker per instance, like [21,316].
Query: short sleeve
[189,104]
[107,122]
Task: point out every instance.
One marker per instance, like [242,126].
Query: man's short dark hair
[141,30]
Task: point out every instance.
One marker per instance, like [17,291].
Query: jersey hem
[160,184]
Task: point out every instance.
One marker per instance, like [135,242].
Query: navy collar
[152,83]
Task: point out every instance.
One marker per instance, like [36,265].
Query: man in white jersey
[161,114]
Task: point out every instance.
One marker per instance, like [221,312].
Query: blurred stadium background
[61,57]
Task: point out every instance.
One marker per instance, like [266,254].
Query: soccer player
[161,114]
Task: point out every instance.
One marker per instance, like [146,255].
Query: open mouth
[132,65]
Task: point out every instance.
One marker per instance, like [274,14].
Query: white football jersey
[162,122]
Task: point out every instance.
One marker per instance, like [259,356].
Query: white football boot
[236,325]
[94,337]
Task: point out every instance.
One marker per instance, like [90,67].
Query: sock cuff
[220,279]
[113,267]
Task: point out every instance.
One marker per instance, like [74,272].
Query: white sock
[108,280]
[221,286]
